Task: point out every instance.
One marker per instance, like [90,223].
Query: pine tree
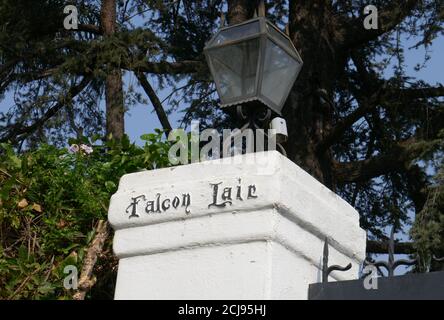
[370,137]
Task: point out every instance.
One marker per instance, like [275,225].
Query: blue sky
[140,119]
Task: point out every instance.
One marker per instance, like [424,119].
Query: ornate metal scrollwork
[391,265]
[326,270]
[256,118]
[253,116]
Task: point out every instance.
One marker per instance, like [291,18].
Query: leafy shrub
[428,228]
[50,200]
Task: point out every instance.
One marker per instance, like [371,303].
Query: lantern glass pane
[236,33]
[279,70]
[278,35]
[235,68]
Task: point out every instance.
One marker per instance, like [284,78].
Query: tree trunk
[241,10]
[87,279]
[115,112]
[310,116]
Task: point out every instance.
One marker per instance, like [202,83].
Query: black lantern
[253,63]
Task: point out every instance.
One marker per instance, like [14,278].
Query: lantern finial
[222,20]
[261,8]
[287,29]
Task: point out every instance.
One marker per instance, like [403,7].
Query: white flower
[86,149]
[74,148]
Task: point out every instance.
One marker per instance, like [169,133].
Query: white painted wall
[269,247]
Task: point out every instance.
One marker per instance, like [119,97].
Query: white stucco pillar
[248,227]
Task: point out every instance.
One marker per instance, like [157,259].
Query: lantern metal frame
[265,33]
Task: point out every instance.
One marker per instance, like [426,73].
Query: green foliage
[428,229]
[50,200]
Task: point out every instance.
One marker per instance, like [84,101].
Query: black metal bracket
[257,117]
[253,116]
[326,270]
[391,265]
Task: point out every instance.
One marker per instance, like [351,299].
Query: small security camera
[280,125]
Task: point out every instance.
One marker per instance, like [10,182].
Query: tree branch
[417,93]
[344,124]
[161,114]
[368,104]
[87,281]
[373,92]
[163,67]
[382,247]
[388,18]
[91,28]
[394,161]
[18,129]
